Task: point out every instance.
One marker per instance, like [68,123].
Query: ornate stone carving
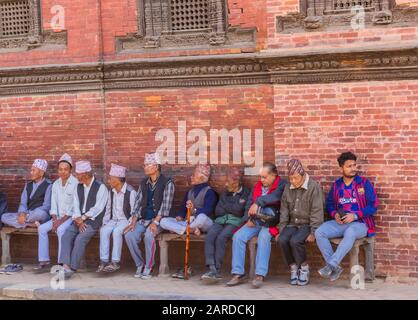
[179,24]
[329,15]
[244,69]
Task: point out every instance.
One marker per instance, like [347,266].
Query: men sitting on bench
[62,208]
[35,201]
[228,212]
[154,201]
[89,208]
[201,199]
[301,213]
[352,203]
[260,218]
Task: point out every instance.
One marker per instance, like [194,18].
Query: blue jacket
[3,203]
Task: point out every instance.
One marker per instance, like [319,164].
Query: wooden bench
[164,239]
[368,243]
[6,233]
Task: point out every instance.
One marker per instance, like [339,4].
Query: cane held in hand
[186,258]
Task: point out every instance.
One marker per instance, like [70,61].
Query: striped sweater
[363,204]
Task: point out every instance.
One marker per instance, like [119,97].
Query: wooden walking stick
[186,257]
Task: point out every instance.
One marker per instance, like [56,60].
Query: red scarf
[258,190]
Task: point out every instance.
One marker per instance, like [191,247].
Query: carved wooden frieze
[166,24]
[220,70]
[329,15]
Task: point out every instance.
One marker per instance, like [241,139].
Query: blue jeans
[331,229]
[239,242]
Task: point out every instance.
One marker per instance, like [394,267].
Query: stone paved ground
[88,285]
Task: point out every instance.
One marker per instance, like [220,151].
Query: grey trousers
[74,245]
[215,244]
[134,237]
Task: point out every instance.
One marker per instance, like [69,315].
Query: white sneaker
[294,273]
[303,279]
[138,272]
[146,274]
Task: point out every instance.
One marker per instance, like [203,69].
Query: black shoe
[336,273]
[211,277]
[325,272]
[180,273]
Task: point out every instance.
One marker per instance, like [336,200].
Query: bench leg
[354,261]
[83,263]
[5,246]
[164,268]
[253,253]
[369,261]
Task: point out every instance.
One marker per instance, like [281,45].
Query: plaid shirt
[165,205]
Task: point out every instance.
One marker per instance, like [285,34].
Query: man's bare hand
[153,228]
[348,218]
[190,205]
[21,218]
[253,209]
[56,223]
[130,227]
[310,238]
[82,227]
[78,221]
[178,218]
[338,218]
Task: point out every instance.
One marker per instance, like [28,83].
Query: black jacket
[232,204]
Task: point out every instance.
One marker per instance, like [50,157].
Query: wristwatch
[156,222]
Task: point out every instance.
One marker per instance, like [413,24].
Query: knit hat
[295,166]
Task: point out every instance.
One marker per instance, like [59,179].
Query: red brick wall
[133,119]
[86,28]
[328,39]
[82,25]
[47,126]
[376,120]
